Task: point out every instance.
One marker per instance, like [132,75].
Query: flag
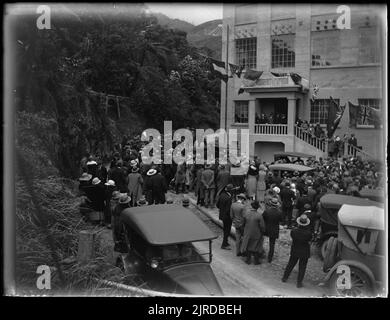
[241,90]
[296,78]
[314,95]
[299,80]
[335,114]
[252,75]
[218,69]
[237,70]
[370,116]
[276,74]
[364,115]
[353,114]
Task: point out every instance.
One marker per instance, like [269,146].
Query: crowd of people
[277,118]
[257,204]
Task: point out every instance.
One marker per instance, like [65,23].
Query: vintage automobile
[290,157]
[329,206]
[279,168]
[377,195]
[358,253]
[170,248]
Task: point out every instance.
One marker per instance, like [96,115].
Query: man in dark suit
[224,204]
[300,249]
[158,186]
[287,196]
[272,218]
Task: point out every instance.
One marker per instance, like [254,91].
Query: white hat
[90,163]
[151,172]
[110,183]
[96,181]
[85,177]
[303,220]
[276,189]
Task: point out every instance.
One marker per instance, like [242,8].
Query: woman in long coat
[199,188]
[134,184]
[261,184]
[251,182]
[254,228]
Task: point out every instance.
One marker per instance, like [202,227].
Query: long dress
[135,187]
[251,183]
[261,186]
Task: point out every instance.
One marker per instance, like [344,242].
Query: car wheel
[330,254]
[361,284]
[323,249]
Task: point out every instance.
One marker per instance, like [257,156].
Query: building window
[364,118]
[246,53]
[319,110]
[369,47]
[325,48]
[283,52]
[241,111]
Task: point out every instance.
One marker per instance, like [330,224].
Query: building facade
[345,64]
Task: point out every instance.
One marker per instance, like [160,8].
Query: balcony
[271,129]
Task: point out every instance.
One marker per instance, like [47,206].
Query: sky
[195,13]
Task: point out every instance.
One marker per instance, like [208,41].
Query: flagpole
[227,70]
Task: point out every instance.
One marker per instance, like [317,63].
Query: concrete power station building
[345,64]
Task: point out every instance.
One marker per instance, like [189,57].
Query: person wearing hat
[223,179]
[272,218]
[84,181]
[92,166]
[251,180]
[96,193]
[199,187]
[112,204]
[300,249]
[157,187]
[224,204]
[209,185]
[237,212]
[142,202]
[180,179]
[261,185]
[134,185]
[254,229]
[118,174]
[287,197]
[302,200]
[118,229]
[109,188]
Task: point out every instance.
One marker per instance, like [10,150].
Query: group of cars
[171,247]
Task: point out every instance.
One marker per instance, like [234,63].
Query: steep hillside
[178,24]
[207,35]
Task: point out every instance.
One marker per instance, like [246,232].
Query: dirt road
[239,279]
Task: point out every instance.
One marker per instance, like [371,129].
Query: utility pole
[227,70]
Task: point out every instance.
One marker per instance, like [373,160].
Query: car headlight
[154,263]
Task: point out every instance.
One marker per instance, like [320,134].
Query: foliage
[121,51]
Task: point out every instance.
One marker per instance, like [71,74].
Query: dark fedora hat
[255,204]
[229,187]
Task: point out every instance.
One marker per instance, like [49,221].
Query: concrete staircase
[305,143]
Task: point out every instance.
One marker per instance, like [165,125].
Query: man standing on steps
[224,204]
[237,212]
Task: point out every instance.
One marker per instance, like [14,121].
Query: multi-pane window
[365,117]
[241,111]
[319,110]
[369,45]
[246,52]
[283,51]
[325,48]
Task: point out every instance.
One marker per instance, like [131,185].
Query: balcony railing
[310,139]
[272,129]
[352,151]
